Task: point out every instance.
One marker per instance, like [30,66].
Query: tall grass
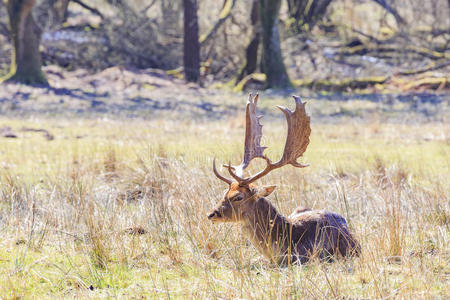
[121,213]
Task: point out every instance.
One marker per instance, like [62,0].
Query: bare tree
[26,36]
[272,59]
[251,51]
[191,55]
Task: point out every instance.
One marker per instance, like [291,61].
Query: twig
[145,9]
[391,10]
[90,8]
[70,234]
[370,37]
[4,30]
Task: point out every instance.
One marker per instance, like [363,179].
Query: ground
[106,181]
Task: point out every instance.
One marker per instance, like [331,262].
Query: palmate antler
[253,134]
[297,141]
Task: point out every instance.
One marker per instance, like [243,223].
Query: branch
[145,9]
[341,85]
[225,13]
[370,37]
[4,30]
[376,49]
[431,67]
[391,10]
[90,8]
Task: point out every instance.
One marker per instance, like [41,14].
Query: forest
[113,113]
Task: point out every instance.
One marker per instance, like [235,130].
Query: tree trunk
[171,15]
[251,52]
[272,59]
[26,36]
[191,42]
[61,8]
[52,13]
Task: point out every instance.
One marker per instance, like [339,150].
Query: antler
[218,175]
[253,134]
[296,142]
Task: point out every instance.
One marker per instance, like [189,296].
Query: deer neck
[267,229]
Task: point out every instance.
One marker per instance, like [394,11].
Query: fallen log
[253,81]
[431,67]
[342,85]
[374,49]
[430,83]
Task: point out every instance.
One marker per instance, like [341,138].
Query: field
[104,204]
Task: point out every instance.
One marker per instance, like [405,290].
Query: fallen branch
[340,85]
[433,83]
[364,49]
[343,62]
[47,134]
[431,67]
[254,79]
[370,37]
[258,79]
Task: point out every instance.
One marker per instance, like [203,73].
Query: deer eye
[238,198]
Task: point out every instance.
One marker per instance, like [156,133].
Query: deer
[284,240]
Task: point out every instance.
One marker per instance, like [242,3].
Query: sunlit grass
[67,204]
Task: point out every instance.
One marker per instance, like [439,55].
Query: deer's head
[237,202]
[241,192]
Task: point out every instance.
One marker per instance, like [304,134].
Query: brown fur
[304,234]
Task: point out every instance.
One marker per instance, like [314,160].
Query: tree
[307,13]
[51,13]
[272,59]
[251,51]
[191,49]
[26,37]
[224,14]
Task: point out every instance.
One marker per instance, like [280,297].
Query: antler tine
[255,99]
[230,170]
[297,140]
[253,134]
[218,175]
[299,131]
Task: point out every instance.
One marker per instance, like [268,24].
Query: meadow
[111,206]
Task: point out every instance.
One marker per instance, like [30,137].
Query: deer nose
[213,213]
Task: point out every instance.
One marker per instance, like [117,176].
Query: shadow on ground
[152,93]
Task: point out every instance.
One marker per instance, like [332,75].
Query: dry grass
[117,209]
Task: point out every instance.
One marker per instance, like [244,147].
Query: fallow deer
[282,239]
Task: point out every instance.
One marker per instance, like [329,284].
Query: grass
[67,206]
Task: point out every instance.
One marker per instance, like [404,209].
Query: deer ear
[265,191]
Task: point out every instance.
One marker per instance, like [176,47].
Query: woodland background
[320,44]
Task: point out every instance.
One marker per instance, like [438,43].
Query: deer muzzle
[214,214]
